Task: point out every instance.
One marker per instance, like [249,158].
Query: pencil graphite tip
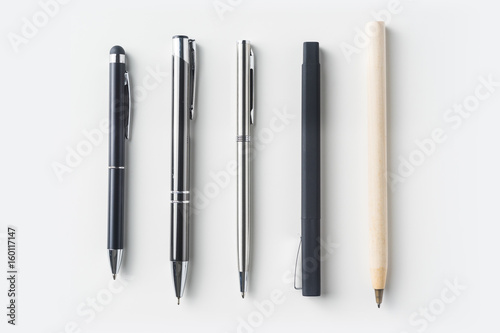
[178,300]
[242,295]
[114,276]
[378,305]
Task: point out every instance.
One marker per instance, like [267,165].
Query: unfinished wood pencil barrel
[377,158]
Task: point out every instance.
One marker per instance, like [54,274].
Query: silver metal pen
[245,118]
[183,97]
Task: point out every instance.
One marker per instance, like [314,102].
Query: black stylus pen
[119,131]
[311,171]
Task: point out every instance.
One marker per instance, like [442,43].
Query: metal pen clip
[295,276]
[193,74]
[129,116]
[252,87]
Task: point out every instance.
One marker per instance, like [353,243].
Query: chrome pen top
[185,49]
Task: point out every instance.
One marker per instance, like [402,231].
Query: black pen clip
[252,87]
[193,75]
[129,116]
[295,279]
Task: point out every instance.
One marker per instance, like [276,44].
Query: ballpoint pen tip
[242,295]
[114,276]
[178,300]
[379,293]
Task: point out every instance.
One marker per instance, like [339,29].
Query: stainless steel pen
[183,96]
[245,118]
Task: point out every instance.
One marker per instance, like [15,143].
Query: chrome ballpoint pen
[119,131]
[245,118]
[183,96]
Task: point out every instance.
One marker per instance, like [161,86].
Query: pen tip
[178,300]
[379,293]
[242,295]
[114,276]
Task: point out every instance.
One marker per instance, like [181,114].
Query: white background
[443,217]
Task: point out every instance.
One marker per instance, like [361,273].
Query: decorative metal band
[114,58]
[243,138]
[180,197]
[179,202]
[116,167]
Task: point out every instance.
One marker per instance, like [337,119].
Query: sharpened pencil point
[378,306]
[178,300]
[114,276]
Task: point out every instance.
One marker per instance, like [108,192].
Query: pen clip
[296,266]
[252,87]
[129,116]
[193,75]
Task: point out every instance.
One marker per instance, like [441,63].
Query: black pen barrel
[311,171]
[118,114]
[118,121]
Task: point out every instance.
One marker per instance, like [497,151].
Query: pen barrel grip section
[377,155]
[311,257]
[179,231]
[116,211]
[243,204]
[118,114]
